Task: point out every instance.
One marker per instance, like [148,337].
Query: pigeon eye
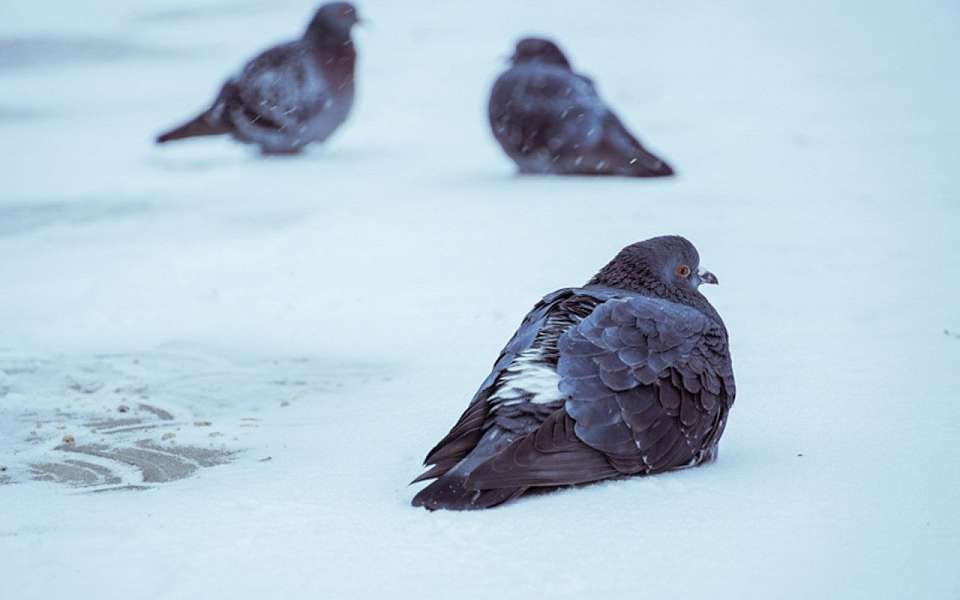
[683,271]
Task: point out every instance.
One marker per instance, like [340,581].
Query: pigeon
[550,120]
[627,375]
[289,95]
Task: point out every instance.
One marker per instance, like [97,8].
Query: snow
[815,146]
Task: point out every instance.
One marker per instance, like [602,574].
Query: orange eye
[683,271]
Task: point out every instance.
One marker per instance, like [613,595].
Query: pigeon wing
[649,383]
[544,109]
[484,413]
[281,89]
[464,436]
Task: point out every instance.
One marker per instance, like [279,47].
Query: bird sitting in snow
[549,119]
[290,95]
[628,375]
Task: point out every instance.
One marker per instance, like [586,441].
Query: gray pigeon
[628,375]
[289,95]
[549,119]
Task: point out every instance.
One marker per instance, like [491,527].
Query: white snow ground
[816,145]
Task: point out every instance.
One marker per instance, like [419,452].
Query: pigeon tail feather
[646,164]
[199,126]
[451,493]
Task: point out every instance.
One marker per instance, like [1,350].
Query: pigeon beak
[707,277]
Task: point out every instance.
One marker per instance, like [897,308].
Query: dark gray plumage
[630,374]
[549,119]
[290,95]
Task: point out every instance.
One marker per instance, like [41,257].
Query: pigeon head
[333,20]
[539,50]
[667,267]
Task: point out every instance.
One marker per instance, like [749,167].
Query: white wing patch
[527,379]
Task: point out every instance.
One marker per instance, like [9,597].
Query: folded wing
[281,89]
[649,385]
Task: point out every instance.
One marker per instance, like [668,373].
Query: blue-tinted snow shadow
[27,52]
[16,219]
[195,156]
[507,177]
[209,12]
[16,113]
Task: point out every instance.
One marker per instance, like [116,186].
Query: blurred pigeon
[289,95]
[628,375]
[549,119]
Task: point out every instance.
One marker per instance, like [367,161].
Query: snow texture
[815,146]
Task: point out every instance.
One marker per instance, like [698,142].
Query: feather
[553,455]
[654,363]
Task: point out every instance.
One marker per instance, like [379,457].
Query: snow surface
[816,150]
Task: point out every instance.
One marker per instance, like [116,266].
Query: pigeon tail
[199,126]
[622,154]
[451,493]
[608,161]
[645,164]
